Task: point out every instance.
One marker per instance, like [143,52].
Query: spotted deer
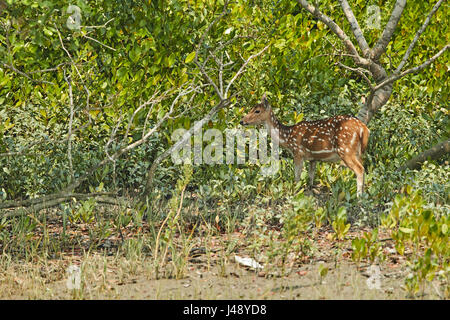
[337,138]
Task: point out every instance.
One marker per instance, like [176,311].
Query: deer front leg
[298,166]
[311,172]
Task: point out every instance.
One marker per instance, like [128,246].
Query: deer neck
[277,130]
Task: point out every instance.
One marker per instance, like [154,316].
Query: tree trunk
[379,97]
[434,153]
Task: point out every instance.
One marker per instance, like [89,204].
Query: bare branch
[187,135]
[49,69]
[388,31]
[208,78]
[200,43]
[417,36]
[102,44]
[88,93]
[202,39]
[121,151]
[223,45]
[101,26]
[397,76]
[12,68]
[355,27]
[337,30]
[243,68]
[360,71]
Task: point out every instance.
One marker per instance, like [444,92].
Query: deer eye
[257,111]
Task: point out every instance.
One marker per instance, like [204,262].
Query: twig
[11,67]
[243,68]
[360,71]
[101,26]
[417,36]
[397,76]
[102,44]
[76,68]
[197,51]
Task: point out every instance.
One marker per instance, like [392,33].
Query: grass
[184,246]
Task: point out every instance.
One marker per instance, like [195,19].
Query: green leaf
[190,57]
[444,228]
[406,230]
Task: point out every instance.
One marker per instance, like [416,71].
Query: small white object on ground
[248,262]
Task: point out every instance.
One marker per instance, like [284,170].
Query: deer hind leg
[311,172]
[355,164]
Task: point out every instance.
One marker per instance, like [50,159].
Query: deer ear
[264,98]
[264,101]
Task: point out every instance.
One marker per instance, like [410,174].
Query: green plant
[296,226]
[164,239]
[319,217]
[87,210]
[425,234]
[368,247]
[323,271]
[340,225]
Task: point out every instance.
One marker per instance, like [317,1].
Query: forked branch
[362,43]
[380,46]
[337,30]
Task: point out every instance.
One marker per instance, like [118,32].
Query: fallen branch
[434,153]
[10,204]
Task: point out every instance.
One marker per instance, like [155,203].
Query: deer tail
[364,138]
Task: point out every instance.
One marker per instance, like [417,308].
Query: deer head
[258,114]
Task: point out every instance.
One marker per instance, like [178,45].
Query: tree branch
[131,146]
[337,30]
[242,68]
[417,36]
[397,76]
[362,43]
[184,138]
[12,68]
[360,71]
[202,39]
[388,31]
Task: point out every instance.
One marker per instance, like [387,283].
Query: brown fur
[337,138]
